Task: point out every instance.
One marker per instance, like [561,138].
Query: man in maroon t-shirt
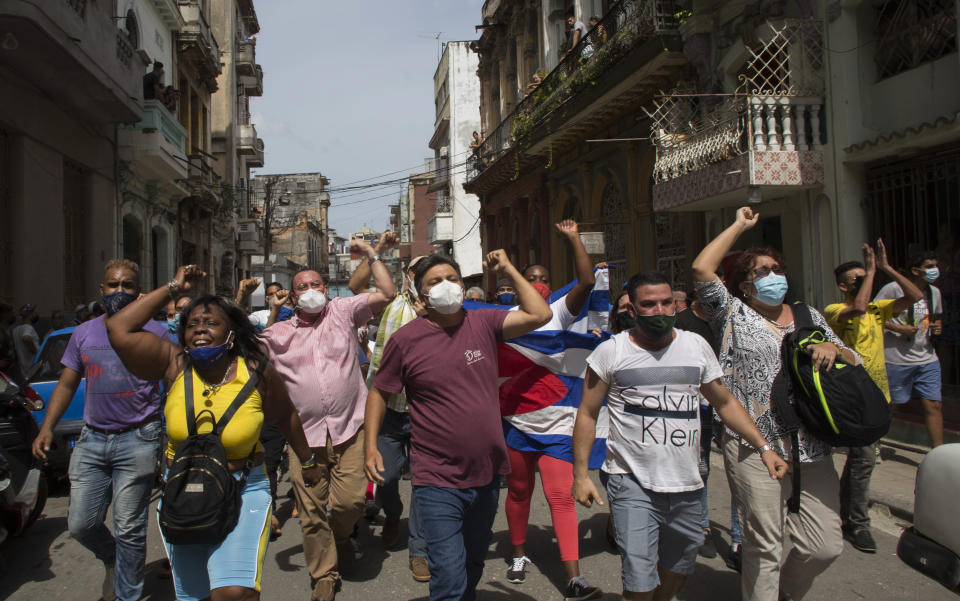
[447,364]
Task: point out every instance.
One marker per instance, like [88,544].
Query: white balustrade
[785,123]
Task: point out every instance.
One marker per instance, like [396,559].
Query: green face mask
[656,327]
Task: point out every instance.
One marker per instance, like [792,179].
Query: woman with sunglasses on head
[752,318]
[220,350]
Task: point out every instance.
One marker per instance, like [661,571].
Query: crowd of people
[365,388]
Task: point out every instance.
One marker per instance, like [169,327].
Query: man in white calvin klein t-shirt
[653,377]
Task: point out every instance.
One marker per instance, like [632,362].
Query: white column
[801,127]
[772,142]
[815,126]
[758,141]
[787,124]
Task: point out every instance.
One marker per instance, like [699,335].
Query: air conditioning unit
[444,151]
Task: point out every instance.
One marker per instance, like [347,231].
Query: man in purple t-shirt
[116,455]
[447,364]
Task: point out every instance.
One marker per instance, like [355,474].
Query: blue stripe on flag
[557,446]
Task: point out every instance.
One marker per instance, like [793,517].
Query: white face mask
[411,287]
[446,297]
[311,301]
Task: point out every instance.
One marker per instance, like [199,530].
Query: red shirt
[450,378]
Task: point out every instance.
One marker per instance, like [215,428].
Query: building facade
[455,224]
[572,142]
[69,76]
[293,208]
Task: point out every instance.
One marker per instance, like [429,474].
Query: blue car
[43,382]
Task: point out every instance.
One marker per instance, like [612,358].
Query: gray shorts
[652,529]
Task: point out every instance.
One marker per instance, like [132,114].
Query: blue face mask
[931,275]
[118,300]
[285,313]
[205,357]
[173,324]
[771,289]
[506,298]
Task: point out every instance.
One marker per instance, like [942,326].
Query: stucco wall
[464,86]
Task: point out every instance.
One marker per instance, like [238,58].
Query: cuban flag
[541,377]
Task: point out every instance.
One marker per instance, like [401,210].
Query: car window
[50,357]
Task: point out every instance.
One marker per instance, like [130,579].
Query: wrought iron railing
[78,6]
[626,25]
[913,32]
[776,107]
[444,202]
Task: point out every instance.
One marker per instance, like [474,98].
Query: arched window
[132,239]
[162,270]
[614,234]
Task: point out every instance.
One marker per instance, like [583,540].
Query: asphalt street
[47,564]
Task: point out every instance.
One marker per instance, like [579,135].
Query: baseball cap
[79,308]
[27,309]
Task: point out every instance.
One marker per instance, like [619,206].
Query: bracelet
[174,289]
[374,258]
[310,463]
[764,449]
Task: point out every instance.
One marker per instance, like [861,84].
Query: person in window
[153,82]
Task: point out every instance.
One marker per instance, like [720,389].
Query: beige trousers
[814,532]
[341,491]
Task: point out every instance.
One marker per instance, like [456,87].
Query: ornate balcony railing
[78,6]
[626,25]
[777,107]
[913,32]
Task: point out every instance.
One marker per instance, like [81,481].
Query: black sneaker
[861,540]
[579,589]
[709,548]
[733,559]
[517,573]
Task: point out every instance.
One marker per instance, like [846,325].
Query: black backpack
[842,407]
[201,498]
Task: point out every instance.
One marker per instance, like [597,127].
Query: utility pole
[268,186]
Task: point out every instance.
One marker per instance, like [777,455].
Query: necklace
[213,388]
[778,324]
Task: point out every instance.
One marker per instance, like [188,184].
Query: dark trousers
[458,534]
[855,487]
[272,441]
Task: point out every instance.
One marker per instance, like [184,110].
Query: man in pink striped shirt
[316,354]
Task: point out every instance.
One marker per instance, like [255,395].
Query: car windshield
[50,357]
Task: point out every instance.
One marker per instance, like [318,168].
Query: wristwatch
[374,258]
[764,449]
[310,463]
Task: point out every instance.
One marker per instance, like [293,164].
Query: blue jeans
[457,535]
[735,535]
[117,468]
[394,444]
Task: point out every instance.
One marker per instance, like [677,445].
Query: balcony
[197,45]
[765,137]
[74,45]
[245,58]
[203,182]
[156,145]
[253,84]
[249,145]
[440,224]
[622,58]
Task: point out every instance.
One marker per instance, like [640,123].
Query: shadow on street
[27,558]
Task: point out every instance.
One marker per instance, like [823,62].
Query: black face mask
[625,321]
[35,319]
[856,285]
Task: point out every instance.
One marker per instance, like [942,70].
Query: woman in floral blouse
[753,319]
